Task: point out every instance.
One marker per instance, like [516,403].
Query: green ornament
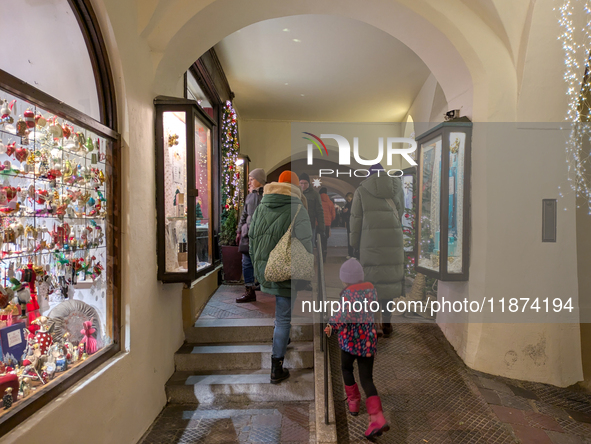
[89,145]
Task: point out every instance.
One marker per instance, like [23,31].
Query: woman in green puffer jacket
[269,223]
[376,231]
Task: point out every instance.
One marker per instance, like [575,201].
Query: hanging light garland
[578,91]
[230,150]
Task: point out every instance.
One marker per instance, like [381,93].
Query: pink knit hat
[351,272]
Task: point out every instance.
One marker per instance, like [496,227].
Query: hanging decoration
[230,150]
[577,78]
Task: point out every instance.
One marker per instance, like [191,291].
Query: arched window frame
[107,128]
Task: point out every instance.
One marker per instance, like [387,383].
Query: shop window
[50,52]
[184,189]
[442,248]
[59,300]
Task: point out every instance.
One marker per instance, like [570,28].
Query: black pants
[325,242]
[365,372]
[349,247]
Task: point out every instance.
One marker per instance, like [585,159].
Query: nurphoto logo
[345,154]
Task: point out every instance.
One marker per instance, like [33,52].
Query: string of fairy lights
[230,150]
[576,76]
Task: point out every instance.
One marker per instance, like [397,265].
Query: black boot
[387,329]
[248,296]
[278,373]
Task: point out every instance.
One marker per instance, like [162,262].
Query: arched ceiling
[320,68]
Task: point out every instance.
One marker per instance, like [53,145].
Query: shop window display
[184,179]
[56,296]
[443,196]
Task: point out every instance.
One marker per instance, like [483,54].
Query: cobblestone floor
[289,423]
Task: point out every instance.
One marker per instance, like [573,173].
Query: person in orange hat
[292,178]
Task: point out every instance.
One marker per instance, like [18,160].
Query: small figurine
[7,398]
[26,387]
[88,340]
[44,375]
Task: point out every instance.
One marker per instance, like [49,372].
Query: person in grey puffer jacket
[256,180]
[376,231]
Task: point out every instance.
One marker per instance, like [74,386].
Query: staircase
[229,360]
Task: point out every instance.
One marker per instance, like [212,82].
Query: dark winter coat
[315,210]
[250,205]
[376,230]
[269,223]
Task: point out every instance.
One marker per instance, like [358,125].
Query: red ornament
[29,118]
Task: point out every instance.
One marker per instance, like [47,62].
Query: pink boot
[377,422]
[353,398]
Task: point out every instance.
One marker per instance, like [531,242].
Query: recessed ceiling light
[287,83]
[302,95]
[297,40]
[285,29]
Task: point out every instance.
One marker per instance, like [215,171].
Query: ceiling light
[302,95]
[287,83]
[285,29]
[297,40]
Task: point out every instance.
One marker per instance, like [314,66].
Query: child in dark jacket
[358,342]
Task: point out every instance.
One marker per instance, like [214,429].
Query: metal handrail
[321,296]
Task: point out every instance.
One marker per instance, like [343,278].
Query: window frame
[107,127]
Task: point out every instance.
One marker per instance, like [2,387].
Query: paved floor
[291,423]
[429,395]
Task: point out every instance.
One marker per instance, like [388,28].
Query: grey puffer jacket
[376,230]
[251,203]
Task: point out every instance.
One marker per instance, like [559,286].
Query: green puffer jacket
[269,223]
[376,230]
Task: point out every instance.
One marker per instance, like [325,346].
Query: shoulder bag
[289,259]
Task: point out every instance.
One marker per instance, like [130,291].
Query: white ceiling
[338,70]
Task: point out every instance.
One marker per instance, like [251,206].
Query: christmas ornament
[21,154]
[40,121]
[21,128]
[29,118]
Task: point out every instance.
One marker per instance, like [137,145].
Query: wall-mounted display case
[443,222]
[184,183]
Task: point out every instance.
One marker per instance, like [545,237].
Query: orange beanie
[290,177]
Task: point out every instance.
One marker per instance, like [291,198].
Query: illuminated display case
[443,211]
[184,189]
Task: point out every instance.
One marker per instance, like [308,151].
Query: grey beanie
[259,175]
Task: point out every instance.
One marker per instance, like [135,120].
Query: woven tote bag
[289,259]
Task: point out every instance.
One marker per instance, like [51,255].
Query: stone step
[240,356]
[210,331]
[238,386]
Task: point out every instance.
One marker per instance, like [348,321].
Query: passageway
[221,390]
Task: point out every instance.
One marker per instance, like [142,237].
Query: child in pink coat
[358,342]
